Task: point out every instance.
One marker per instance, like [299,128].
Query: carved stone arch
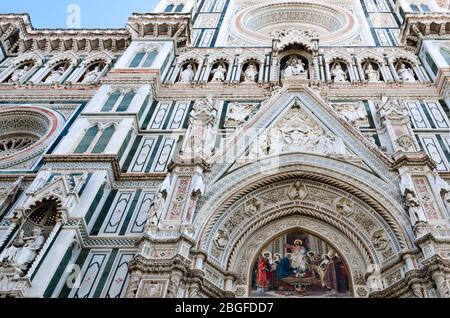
[364,56]
[190,57]
[44,212]
[69,56]
[217,57]
[31,61]
[407,56]
[104,56]
[145,48]
[249,57]
[227,191]
[338,56]
[37,58]
[318,200]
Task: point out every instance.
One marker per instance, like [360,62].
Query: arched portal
[250,212]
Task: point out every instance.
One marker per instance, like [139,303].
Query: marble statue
[24,250]
[18,74]
[338,74]
[406,74]
[156,208]
[294,67]
[372,75]
[415,210]
[55,76]
[251,73]
[219,73]
[187,75]
[91,76]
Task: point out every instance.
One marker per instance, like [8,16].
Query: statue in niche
[415,210]
[294,67]
[23,250]
[158,202]
[156,208]
[251,73]
[406,74]
[55,75]
[372,75]
[219,73]
[92,76]
[18,74]
[201,135]
[338,74]
[187,75]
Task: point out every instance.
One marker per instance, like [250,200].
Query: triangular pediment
[299,121]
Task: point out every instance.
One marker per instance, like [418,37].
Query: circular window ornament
[258,24]
[25,132]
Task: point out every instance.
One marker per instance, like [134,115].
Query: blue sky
[93,13]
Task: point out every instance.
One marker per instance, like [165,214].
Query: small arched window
[414,8]
[111,101]
[126,101]
[143,59]
[179,8]
[137,59]
[118,102]
[169,8]
[425,8]
[95,139]
[104,139]
[87,140]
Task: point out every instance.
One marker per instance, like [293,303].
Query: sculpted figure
[91,76]
[54,76]
[18,74]
[219,73]
[24,250]
[372,75]
[187,75]
[251,73]
[338,74]
[406,74]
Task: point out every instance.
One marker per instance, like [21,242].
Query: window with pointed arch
[20,72]
[56,72]
[93,72]
[143,59]
[299,264]
[95,139]
[372,71]
[118,101]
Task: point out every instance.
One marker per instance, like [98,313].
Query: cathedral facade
[229,148]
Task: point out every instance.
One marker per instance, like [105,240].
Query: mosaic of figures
[298,264]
